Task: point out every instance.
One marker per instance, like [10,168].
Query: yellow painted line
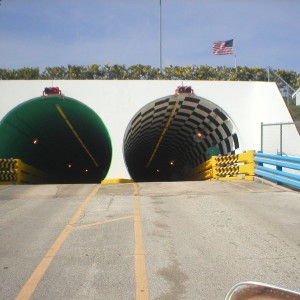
[141,281]
[241,186]
[76,134]
[116,180]
[31,284]
[102,222]
[163,133]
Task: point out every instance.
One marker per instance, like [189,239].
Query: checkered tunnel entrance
[170,136]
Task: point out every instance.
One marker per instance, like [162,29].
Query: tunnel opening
[170,136]
[60,136]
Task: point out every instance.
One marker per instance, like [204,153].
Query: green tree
[205,72]
[55,73]
[288,76]
[93,72]
[76,72]
[116,72]
[179,72]
[6,74]
[28,73]
[142,72]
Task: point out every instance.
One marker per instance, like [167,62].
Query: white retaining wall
[116,101]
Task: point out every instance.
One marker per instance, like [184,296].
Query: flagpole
[160,38]
[234,51]
[235,60]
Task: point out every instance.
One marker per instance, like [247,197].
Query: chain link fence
[276,138]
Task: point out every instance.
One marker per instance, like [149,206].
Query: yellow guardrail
[229,167]
[14,171]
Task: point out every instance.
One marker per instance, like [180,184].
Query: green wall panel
[58,135]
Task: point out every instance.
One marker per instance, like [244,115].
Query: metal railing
[285,89]
[276,172]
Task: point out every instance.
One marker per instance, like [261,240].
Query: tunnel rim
[204,100]
[80,108]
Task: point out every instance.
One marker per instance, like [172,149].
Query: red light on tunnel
[184,90]
[51,91]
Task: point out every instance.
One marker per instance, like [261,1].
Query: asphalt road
[191,240]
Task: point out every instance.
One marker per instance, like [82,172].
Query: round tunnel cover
[60,136]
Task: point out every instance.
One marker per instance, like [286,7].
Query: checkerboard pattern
[195,126]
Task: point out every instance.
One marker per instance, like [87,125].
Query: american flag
[223,47]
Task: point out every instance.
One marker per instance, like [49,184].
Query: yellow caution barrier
[14,171]
[8,176]
[8,163]
[229,167]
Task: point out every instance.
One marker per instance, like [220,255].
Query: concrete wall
[116,101]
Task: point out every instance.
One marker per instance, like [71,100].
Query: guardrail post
[261,136]
[280,139]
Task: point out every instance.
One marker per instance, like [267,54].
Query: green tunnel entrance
[60,136]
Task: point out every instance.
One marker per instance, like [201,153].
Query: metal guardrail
[14,171]
[229,167]
[247,165]
[277,174]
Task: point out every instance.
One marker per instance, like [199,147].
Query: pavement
[164,240]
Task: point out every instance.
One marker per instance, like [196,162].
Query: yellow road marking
[116,180]
[141,281]
[247,189]
[163,133]
[101,222]
[31,284]
[76,134]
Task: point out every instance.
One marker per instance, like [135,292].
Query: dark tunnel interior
[60,136]
[170,136]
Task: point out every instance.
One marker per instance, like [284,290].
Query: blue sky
[40,33]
